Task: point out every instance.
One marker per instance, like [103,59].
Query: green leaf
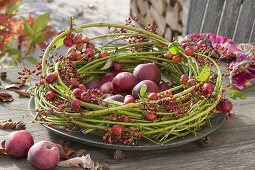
[31,60]
[59,43]
[15,53]
[28,29]
[39,38]
[234,94]
[173,48]
[204,74]
[41,22]
[107,65]
[143,90]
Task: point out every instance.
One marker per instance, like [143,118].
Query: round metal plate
[95,140]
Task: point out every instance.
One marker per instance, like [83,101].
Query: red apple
[43,155]
[18,143]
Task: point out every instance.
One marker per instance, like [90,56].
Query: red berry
[153,96]
[76,57]
[76,104]
[82,87]
[117,129]
[70,35]
[116,67]
[207,89]
[103,54]
[191,82]
[51,77]
[225,105]
[68,42]
[150,116]
[169,55]
[74,82]
[50,95]
[176,59]
[125,118]
[77,39]
[90,45]
[184,78]
[129,99]
[79,47]
[85,39]
[77,92]
[86,97]
[188,51]
[89,52]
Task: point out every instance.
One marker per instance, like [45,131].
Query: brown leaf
[6,97]
[118,155]
[15,85]
[81,152]
[3,75]
[2,151]
[3,143]
[9,124]
[68,150]
[65,144]
[23,93]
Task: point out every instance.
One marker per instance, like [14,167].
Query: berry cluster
[119,134]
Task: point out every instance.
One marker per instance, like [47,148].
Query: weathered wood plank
[229,18]
[245,22]
[233,145]
[197,8]
[253,33]
[212,16]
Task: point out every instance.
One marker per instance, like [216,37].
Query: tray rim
[76,136]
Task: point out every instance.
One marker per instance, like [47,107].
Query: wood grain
[233,145]
[212,16]
[229,18]
[197,8]
[245,22]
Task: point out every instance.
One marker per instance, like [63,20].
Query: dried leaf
[3,75]
[84,162]
[62,153]
[65,145]
[15,85]
[103,167]
[9,124]
[68,150]
[23,93]
[118,155]
[3,144]
[6,97]
[2,151]
[81,152]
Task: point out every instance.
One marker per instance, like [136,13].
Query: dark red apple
[107,78]
[116,97]
[151,88]
[148,71]
[93,84]
[106,87]
[44,155]
[18,143]
[123,82]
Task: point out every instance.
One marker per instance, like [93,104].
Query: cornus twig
[69,96]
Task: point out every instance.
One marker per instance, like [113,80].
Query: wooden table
[233,144]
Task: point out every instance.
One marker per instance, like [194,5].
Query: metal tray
[93,139]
